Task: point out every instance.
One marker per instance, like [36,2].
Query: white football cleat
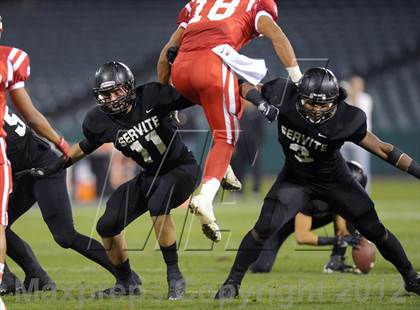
[202,207]
[230,182]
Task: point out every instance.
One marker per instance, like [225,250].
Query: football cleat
[121,288]
[336,264]
[10,284]
[40,281]
[228,291]
[230,182]
[413,285]
[202,207]
[176,288]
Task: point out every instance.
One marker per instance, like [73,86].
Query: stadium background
[68,40]
[376,39]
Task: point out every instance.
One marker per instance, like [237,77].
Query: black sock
[248,252]
[338,251]
[392,250]
[123,270]
[22,254]
[93,250]
[170,256]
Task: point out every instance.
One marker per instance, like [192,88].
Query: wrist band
[326,240]
[294,73]
[414,169]
[255,97]
[394,156]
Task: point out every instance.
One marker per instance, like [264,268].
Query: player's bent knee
[65,239]
[371,227]
[106,229]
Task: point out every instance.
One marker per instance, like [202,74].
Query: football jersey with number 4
[313,151]
[146,133]
[209,23]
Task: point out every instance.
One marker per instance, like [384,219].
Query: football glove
[172,53]
[269,111]
[352,240]
[64,147]
[42,172]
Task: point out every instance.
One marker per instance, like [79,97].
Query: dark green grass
[295,283]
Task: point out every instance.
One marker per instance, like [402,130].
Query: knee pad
[65,239]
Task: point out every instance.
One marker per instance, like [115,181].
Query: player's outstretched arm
[391,154]
[75,154]
[163,66]
[253,95]
[284,50]
[303,233]
[36,120]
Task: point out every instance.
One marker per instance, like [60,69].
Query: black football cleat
[176,288]
[10,284]
[228,291]
[39,281]
[136,278]
[122,288]
[413,285]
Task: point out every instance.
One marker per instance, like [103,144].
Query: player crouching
[137,122]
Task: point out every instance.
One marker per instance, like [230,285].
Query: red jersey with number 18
[209,23]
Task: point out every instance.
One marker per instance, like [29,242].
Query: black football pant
[54,203]
[265,261]
[287,197]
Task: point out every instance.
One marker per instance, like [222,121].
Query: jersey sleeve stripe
[259,14]
[12,54]
[188,7]
[18,85]
[183,25]
[9,73]
[19,61]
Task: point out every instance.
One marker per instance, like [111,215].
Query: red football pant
[5,182]
[202,77]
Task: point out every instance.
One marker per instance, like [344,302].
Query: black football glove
[172,53]
[349,240]
[269,111]
[43,172]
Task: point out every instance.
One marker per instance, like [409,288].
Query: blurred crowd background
[373,46]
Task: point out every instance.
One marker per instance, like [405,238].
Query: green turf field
[296,282]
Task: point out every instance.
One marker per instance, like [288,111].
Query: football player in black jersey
[26,150]
[313,216]
[313,123]
[137,121]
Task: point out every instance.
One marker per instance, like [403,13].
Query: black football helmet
[357,172]
[318,91]
[114,88]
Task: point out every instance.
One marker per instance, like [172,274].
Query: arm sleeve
[184,16]
[91,142]
[21,69]
[265,8]
[361,129]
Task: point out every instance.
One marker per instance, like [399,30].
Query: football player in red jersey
[210,33]
[14,71]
